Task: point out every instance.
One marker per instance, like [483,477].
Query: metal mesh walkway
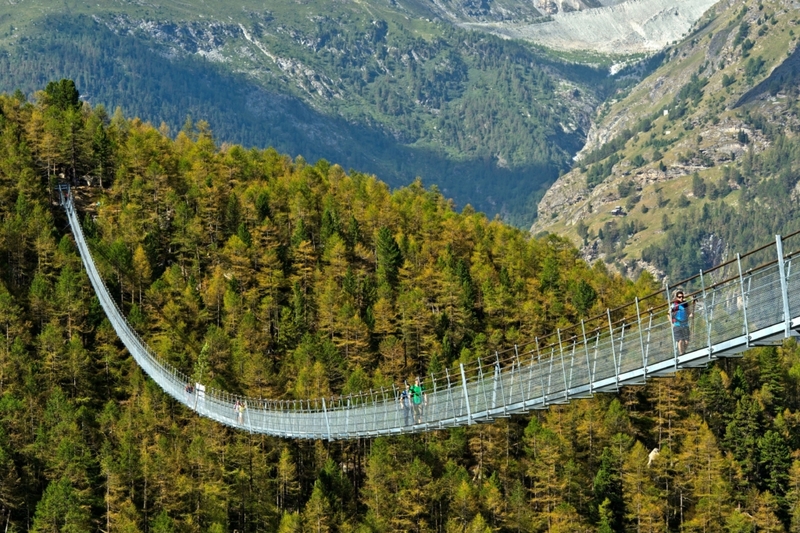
[734,308]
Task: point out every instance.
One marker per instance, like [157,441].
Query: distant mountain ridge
[391,87]
[383,87]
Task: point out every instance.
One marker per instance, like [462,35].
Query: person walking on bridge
[418,400]
[405,403]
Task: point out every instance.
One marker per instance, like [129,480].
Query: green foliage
[698,186]
[281,280]
[389,256]
[728,80]
[754,66]
[600,171]
[63,95]
[389,101]
[625,188]
[692,91]
[738,226]
[741,35]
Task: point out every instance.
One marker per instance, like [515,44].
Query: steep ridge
[697,138]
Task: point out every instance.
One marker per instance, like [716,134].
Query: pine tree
[389,257]
[287,485]
[607,488]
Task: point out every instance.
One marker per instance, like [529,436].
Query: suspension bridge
[750,300]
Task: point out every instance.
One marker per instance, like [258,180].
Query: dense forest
[272,277]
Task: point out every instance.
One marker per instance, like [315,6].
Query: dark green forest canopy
[271,277]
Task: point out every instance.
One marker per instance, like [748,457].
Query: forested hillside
[375,86]
[264,275]
[702,156]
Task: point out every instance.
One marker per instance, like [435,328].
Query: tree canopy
[273,277]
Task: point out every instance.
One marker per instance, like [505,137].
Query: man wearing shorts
[680,313]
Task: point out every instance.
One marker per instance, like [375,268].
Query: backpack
[679,313]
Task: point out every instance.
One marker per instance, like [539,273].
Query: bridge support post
[530,375]
[450,395]
[705,313]
[482,381]
[327,422]
[787,317]
[613,348]
[671,327]
[744,299]
[563,367]
[516,362]
[641,339]
[466,393]
[589,373]
[495,380]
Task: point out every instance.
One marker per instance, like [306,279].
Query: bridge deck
[757,307]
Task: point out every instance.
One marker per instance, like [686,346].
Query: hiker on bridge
[418,400]
[405,403]
[681,311]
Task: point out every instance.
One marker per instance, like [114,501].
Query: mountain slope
[377,86]
[698,147]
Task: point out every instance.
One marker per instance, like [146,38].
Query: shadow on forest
[121,70]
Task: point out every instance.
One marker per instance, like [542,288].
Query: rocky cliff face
[509,11]
[631,27]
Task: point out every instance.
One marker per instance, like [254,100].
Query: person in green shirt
[418,400]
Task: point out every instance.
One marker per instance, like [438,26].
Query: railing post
[672,328]
[550,370]
[540,368]
[434,405]
[466,394]
[705,313]
[450,393]
[613,347]
[641,339]
[516,362]
[494,380]
[374,409]
[482,384]
[385,409]
[530,372]
[347,416]
[787,317]
[500,379]
[563,368]
[589,373]
[744,299]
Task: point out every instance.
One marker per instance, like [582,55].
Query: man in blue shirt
[680,312]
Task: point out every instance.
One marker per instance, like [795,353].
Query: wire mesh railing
[749,300]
